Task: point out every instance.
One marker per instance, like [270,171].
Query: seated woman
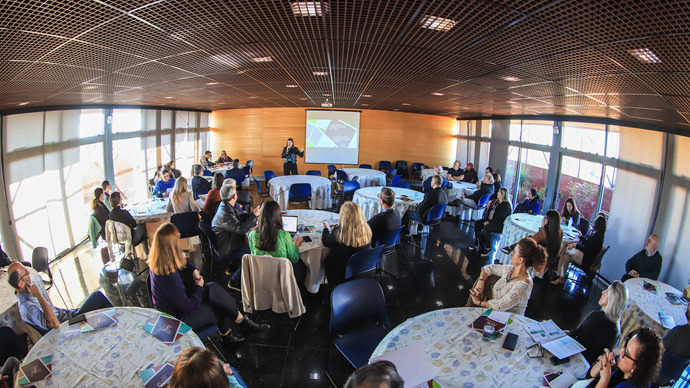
[495,214]
[100,211]
[600,329]
[570,212]
[166,183]
[635,365]
[585,252]
[181,199]
[178,289]
[269,238]
[550,236]
[531,204]
[213,197]
[351,235]
[512,290]
[200,368]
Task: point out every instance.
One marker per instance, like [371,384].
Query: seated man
[107,189]
[456,173]
[438,170]
[224,158]
[34,303]
[165,185]
[118,214]
[207,160]
[235,172]
[646,263]
[233,183]
[431,198]
[387,219]
[470,174]
[486,186]
[231,227]
[200,185]
[174,172]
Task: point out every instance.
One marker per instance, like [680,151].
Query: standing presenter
[289,155]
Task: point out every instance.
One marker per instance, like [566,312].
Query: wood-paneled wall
[261,134]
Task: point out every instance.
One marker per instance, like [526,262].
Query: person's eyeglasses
[626,353]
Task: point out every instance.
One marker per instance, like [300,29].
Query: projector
[327,104]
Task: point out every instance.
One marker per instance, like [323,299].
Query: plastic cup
[489,331]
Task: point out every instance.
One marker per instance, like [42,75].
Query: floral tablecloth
[109,357]
[313,253]
[9,312]
[366,177]
[368,200]
[320,190]
[644,307]
[455,193]
[460,358]
[521,225]
[153,210]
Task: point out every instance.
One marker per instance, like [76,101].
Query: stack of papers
[553,339]
[667,321]
[500,320]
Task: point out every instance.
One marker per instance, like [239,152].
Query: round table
[320,190]
[113,356]
[366,177]
[520,225]
[153,210]
[9,312]
[644,307]
[460,358]
[426,173]
[314,253]
[458,189]
[368,200]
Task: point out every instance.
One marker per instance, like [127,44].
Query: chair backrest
[672,366]
[396,178]
[258,186]
[385,165]
[341,176]
[584,225]
[600,257]
[300,192]
[269,282]
[354,301]
[247,170]
[39,260]
[350,187]
[401,165]
[207,173]
[483,200]
[118,234]
[268,175]
[416,166]
[331,169]
[207,233]
[401,184]
[365,166]
[314,172]
[186,223]
[363,263]
[250,164]
[390,239]
[436,213]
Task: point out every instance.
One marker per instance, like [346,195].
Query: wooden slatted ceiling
[545,57]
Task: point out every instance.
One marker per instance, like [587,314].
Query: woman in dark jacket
[100,211]
[289,155]
[351,235]
[585,252]
[570,212]
[492,222]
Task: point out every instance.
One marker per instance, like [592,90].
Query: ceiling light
[90,87]
[437,23]
[645,55]
[212,83]
[308,8]
[291,86]
[252,97]
[510,78]
[437,94]
[365,104]
[396,109]
[512,102]
[367,95]
[326,94]
[320,72]
[405,104]
[23,103]
[304,99]
[327,104]
[169,97]
[262,59]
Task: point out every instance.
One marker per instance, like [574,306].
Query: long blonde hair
[354,229]
[180,189]
[166,257]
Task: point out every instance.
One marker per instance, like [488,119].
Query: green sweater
[284,246]
[648,266]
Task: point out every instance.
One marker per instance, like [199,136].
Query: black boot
[232,338]
[248,326]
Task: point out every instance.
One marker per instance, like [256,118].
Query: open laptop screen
[290,224]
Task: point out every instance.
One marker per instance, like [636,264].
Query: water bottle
[570,222]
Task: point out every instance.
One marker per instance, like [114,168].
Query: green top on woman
[284,246]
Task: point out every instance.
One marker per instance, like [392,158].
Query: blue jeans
[95,301]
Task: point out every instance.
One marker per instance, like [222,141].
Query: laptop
[290,224]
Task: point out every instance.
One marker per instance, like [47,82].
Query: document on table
[563,347]
[544,331]
[500,316]
[667,321]
[411,362]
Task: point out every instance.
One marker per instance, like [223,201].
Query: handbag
[127,263]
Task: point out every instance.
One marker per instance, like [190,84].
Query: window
[580,180]
[126,120]
[586,137]
[130,169]
[532,131]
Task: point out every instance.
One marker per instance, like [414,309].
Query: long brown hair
[270,223]
[554,235]
[217,181]
[180,189]
[166,257]
[354,229]
[96,197]
[198,368]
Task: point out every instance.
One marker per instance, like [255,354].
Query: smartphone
[77,319]
[510,342]
[557,361]
[306,238]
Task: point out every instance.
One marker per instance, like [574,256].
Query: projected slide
[332,137]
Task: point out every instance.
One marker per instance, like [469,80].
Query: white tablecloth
[426,173]
[153,210]
[313,253]
[460,358]
[454,193]
[366,177]
[521,225]
[9,312]
[320,190]
[109,357]
[644,307]
[368,200]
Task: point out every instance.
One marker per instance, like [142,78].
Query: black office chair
[672,366]
[39,261]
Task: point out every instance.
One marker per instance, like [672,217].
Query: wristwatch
[481,277]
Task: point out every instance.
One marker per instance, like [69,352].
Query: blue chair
[385,165]
[341,176]
[186,223]
[314,172]
[268,175]
[207,173]
[363,263]
[331,171]
[349,189]
[365,166]
[352,302]
[401,184]
[250,164]
[247,171]
[390,241]
[261,193]
[396,178]
[300,192]
[481,205]
[436,214]
[391,174]
[672,366]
